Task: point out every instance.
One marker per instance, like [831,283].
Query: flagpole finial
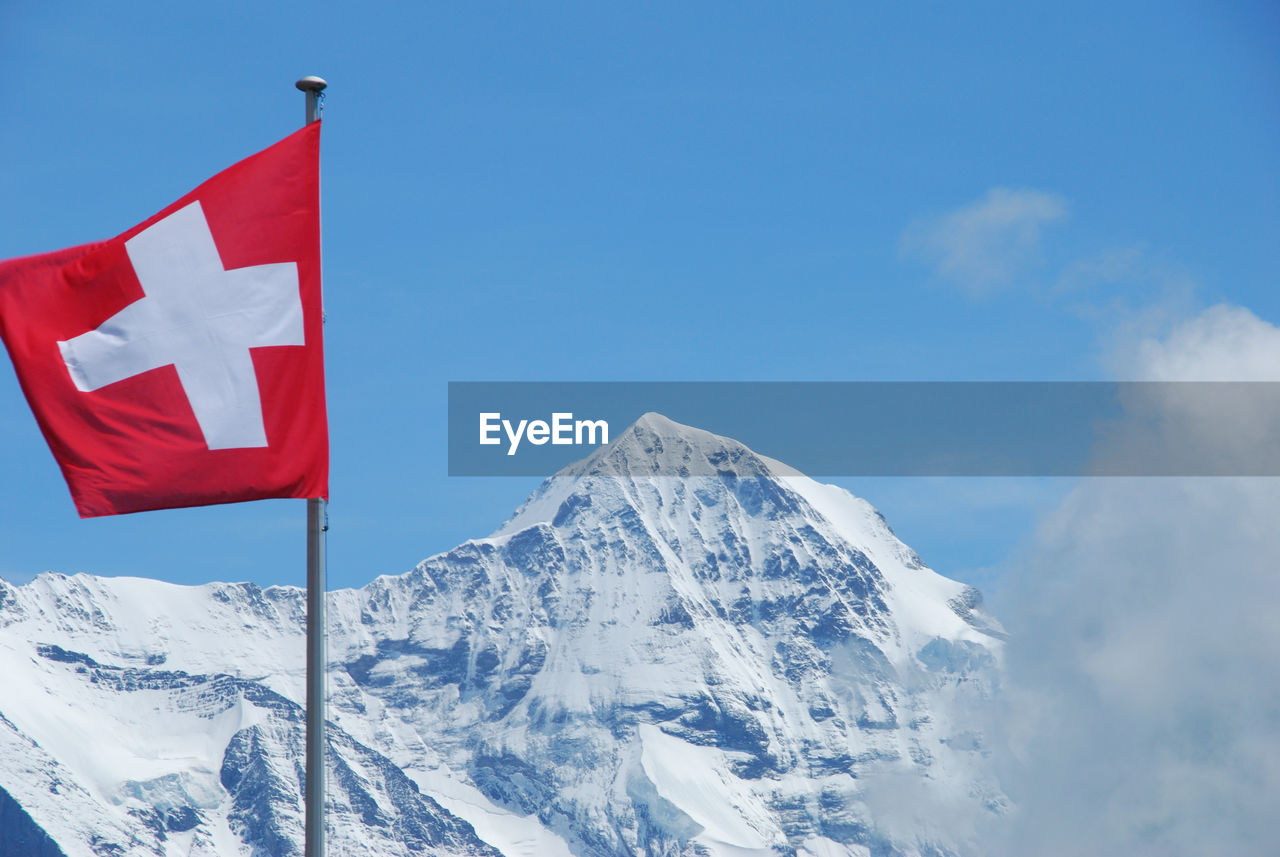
[314,88]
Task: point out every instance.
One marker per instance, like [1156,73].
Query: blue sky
[652,192]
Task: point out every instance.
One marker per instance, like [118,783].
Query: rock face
[635,663]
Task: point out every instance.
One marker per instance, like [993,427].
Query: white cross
[201,319]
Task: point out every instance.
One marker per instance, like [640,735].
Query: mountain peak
[655,445]
[637,662]
[652,421]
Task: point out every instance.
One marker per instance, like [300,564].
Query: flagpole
[317,524]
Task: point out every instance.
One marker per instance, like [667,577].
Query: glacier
[636,663]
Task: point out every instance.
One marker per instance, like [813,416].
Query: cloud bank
[1143,709]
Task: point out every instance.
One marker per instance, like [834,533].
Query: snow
[514,835]
[920,596]
[657,607]
[150,738]
[820,846]
[696,781]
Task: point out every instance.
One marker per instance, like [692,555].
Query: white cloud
[1206,426]
[1143,713]
[986,245]
[1224,343]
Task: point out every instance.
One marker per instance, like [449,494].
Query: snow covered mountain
[744,664]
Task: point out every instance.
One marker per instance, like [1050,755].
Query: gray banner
[883,428]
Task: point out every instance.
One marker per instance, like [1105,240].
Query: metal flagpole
[317,523]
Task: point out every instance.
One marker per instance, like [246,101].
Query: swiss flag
[181,363]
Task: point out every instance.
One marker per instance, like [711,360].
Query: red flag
[181,363]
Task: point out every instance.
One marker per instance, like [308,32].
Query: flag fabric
[181,363]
